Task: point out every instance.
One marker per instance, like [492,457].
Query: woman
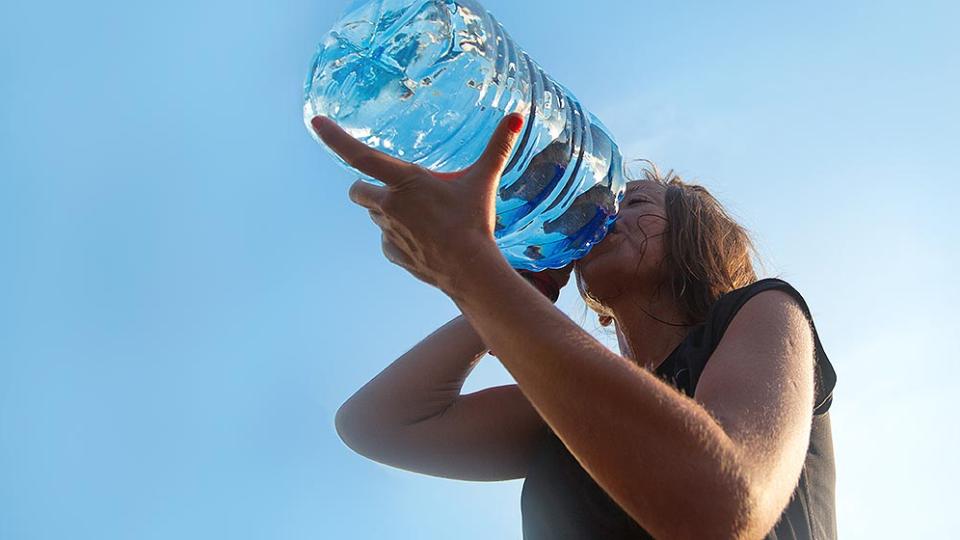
[652,442]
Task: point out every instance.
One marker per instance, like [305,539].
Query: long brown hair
[707,252]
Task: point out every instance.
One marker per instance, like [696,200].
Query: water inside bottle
[428,81]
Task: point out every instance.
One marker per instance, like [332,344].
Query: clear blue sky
[188,294]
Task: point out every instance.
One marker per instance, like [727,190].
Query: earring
[605,320]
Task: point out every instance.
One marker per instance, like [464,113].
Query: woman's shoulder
[760,285]
[724,309]
[727,306]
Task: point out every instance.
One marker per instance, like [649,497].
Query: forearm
[422,383]
[655,451]
[419,384]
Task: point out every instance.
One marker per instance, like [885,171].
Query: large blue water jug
[428,81]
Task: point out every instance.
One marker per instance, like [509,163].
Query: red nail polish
[515,124]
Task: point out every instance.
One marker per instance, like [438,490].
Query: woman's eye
[636,201]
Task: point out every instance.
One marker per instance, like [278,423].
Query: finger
[393,253]
[391,235]
[379,219]
[398,239]
[386,226]
[398,257]
[387,169]
[367,195]
[495,156]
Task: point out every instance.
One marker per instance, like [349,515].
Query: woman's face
[631,256]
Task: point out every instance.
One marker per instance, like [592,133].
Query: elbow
[757,513]
[730,512]
[341,425]
[347,429]
[734,500]
[738,519]
[362,434]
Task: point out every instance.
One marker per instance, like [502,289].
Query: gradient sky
[188,294]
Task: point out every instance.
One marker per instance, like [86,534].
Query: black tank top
[561,501]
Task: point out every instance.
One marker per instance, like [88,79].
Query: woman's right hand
[550,280]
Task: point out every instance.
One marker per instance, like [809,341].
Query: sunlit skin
[733,452]
[625,272]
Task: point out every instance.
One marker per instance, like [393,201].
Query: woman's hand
[549,281]
[433,223]
[559,276]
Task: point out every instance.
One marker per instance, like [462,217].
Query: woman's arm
[412,415]
[421,383]
[426,381]
[661,455]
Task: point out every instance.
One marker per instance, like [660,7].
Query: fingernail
[319,123]
[515,124]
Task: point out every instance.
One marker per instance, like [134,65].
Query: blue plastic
[428,81]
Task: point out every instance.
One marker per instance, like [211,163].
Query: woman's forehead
[648,186]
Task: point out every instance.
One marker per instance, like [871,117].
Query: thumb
[495,156]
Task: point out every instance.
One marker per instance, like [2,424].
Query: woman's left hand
[433,223]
